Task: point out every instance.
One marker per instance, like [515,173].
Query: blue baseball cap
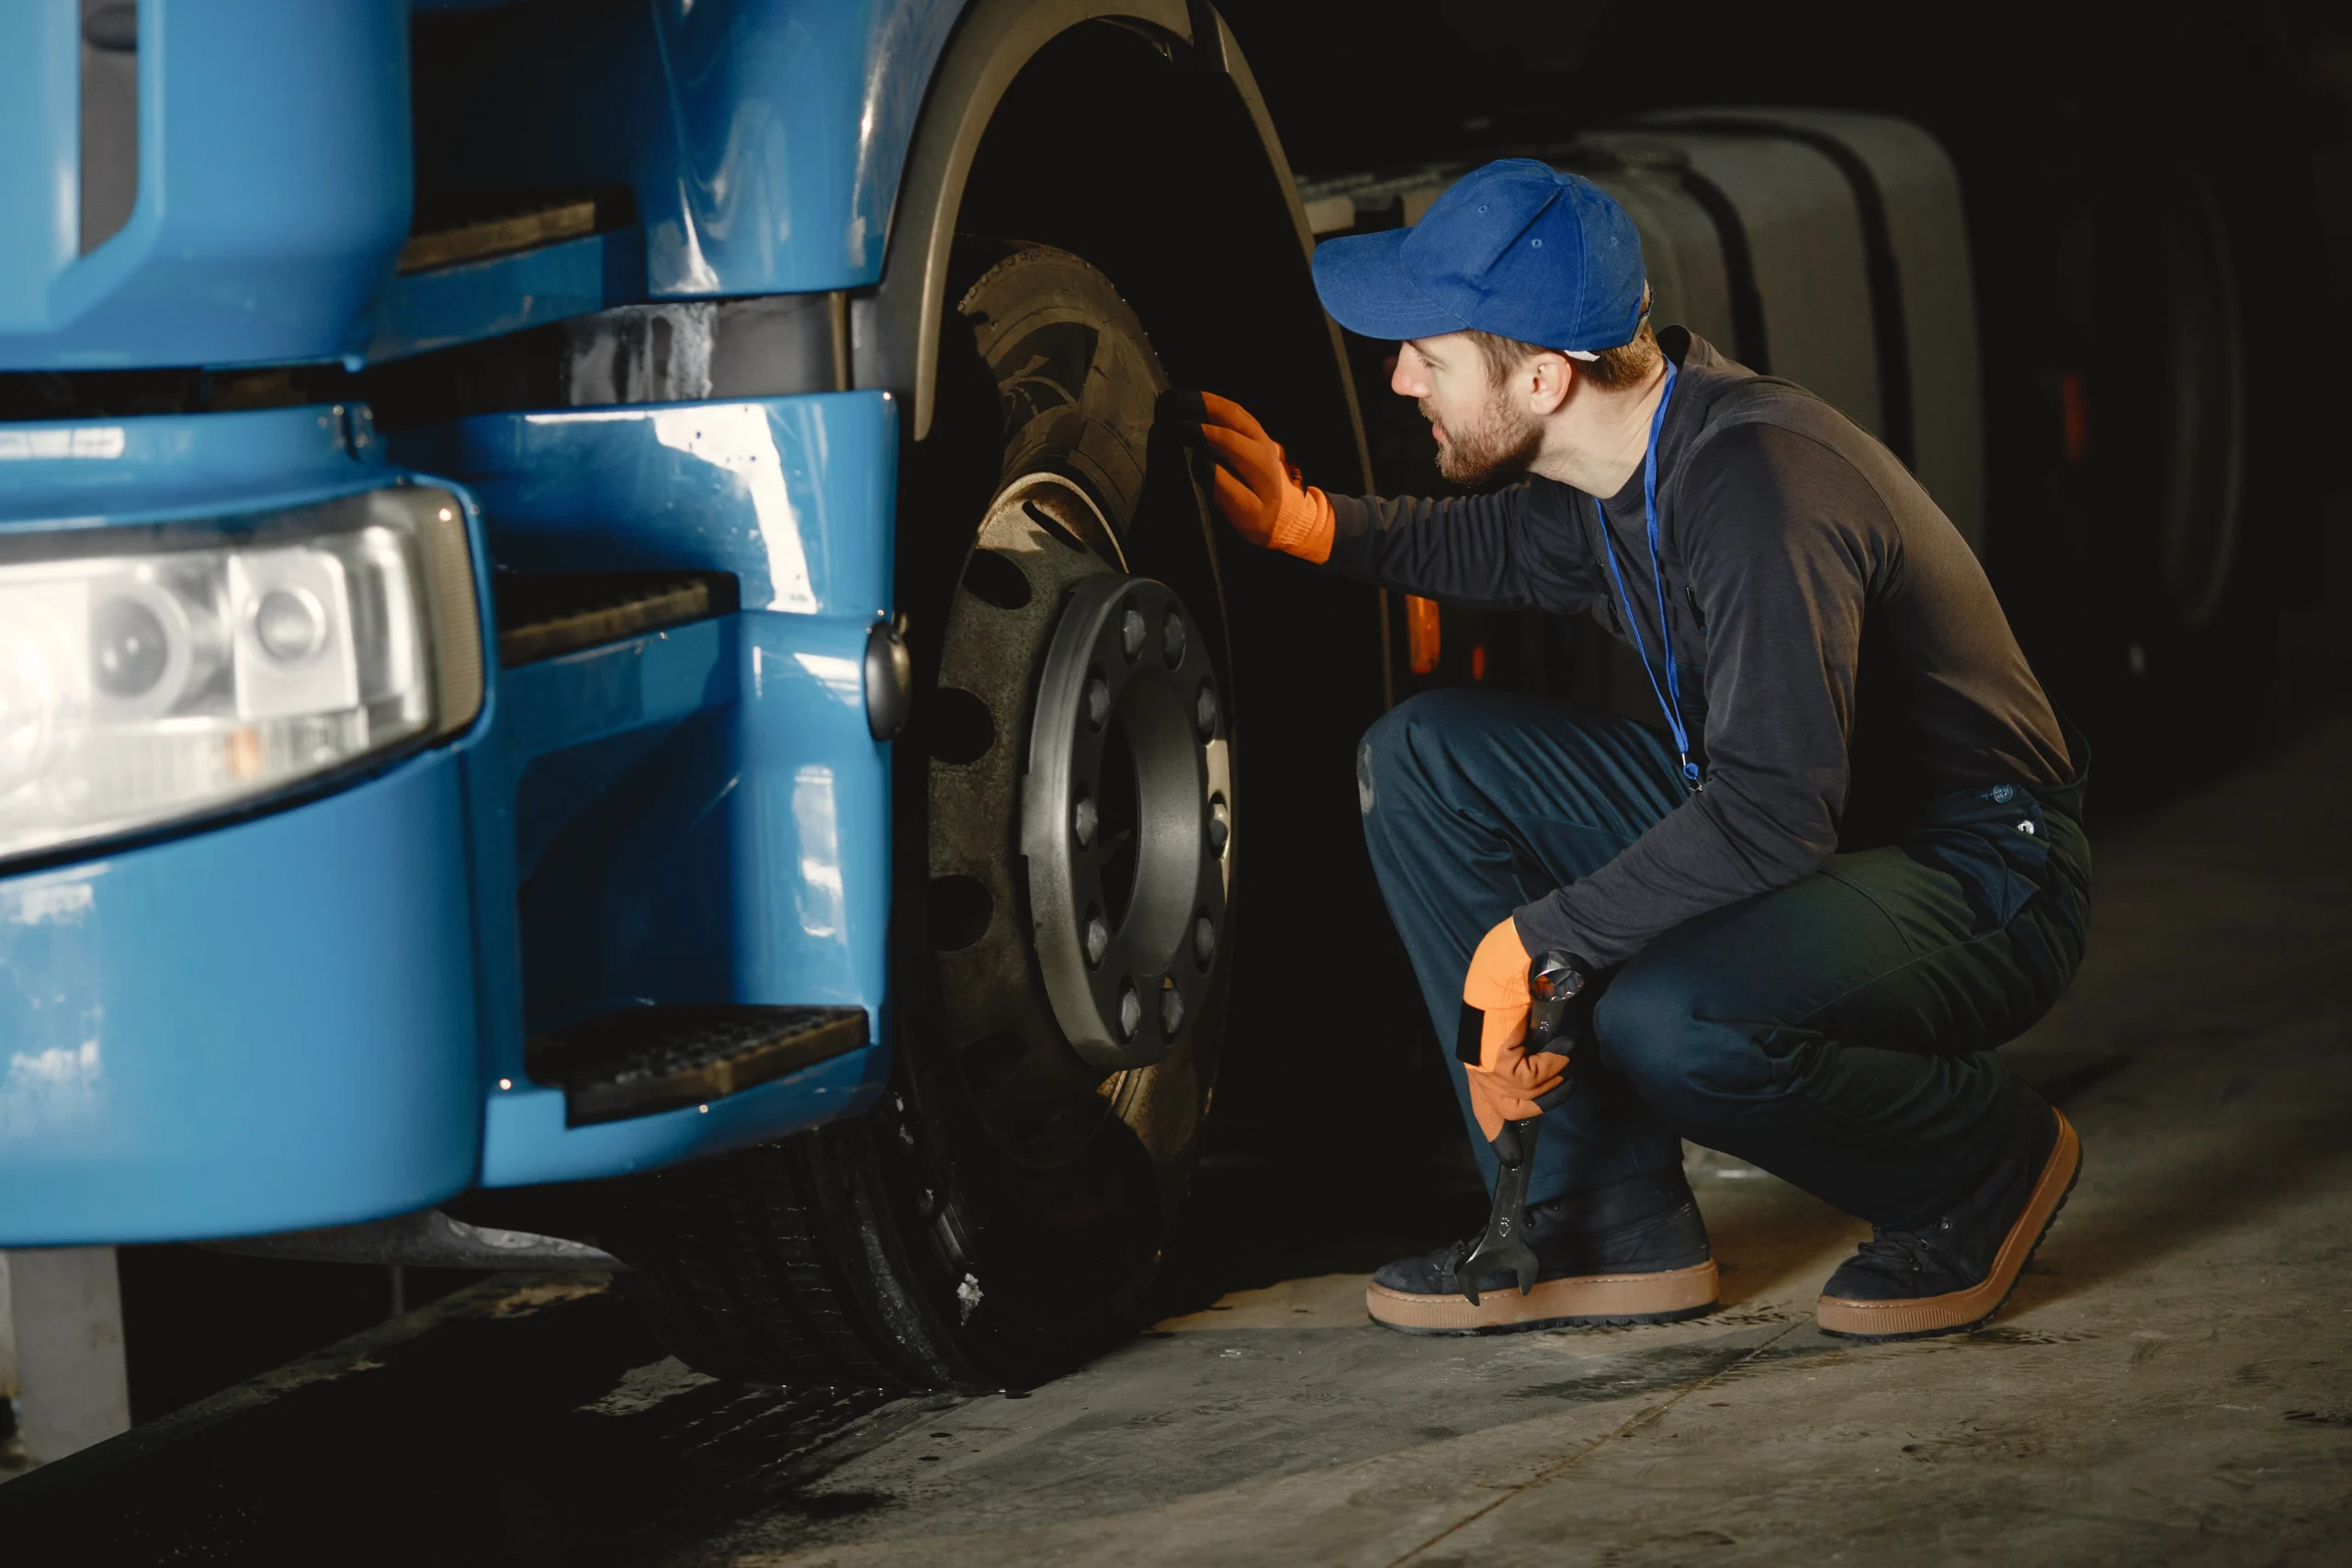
[1515,248]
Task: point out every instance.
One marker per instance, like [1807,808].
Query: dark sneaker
[1633,1252]
[1956,1273]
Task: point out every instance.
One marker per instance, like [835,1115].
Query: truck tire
[2179,534]
[2158,446]
[1000,1214]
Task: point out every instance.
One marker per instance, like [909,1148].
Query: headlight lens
[153,674]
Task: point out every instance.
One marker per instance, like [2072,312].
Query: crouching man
[1845,865]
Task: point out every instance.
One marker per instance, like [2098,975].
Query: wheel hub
[1043,541]
[1126,821]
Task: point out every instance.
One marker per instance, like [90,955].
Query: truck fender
[894,329]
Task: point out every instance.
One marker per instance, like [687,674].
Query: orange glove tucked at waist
[1506,1080]
[1259,492]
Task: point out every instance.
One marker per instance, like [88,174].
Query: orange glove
[1259,492]
[1506,1080]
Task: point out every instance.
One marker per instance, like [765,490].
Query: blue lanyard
[1669,697]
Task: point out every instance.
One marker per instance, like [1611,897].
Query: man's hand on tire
[1258,490]
[1506,1081]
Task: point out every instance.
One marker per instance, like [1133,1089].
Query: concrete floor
[2169,1383]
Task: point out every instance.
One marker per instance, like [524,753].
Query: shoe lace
[1914,1250]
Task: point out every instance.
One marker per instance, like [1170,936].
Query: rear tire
[1000,1215]
[2150,434]
[2181,604]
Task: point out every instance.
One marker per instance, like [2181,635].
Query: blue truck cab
[457,473]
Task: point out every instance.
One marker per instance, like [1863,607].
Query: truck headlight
[153,674]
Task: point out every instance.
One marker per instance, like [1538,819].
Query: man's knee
[1650,1029]
[1405,759]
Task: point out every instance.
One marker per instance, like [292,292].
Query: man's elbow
[1783,838]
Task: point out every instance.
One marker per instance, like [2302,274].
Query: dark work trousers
[1838,1033]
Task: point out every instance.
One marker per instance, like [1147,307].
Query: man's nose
[1405,382]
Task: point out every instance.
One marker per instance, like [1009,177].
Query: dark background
[2072,126]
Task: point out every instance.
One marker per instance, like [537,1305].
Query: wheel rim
[1123,829]
[1044,550]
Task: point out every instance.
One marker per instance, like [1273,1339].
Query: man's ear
[1550,376]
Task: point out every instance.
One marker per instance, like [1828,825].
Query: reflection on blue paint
[51,1012]
[738,439]
[793,495]
[819,893]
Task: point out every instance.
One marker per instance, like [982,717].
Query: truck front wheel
[1062,908]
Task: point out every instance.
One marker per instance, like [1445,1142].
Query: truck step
[474,225]
[641,1060]
[544,614]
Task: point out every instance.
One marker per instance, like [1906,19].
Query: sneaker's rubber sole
[1587,1299]
[1920,1317]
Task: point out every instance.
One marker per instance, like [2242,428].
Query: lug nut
[1131,632]
[1220,826]
[1098,703]
[1130,1011]
[1203,941]
[1172,640]
[1084,820]
[1204,712]
[1171,1012]
[1097,936]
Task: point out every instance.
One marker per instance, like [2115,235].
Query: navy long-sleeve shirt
[1843,658]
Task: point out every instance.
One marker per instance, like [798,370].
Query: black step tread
[543,614]
[641,1060]
[457,227]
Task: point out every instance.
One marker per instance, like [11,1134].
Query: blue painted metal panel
[812,808]
[655,857]
[267,1025]
[793,495]
[731,854]
[694,816]
[40,137]
[262,1028]
[764,138]
[264,219]
[100,473]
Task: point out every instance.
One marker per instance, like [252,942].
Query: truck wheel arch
[992,62]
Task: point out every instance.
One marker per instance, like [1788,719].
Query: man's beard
[1498,449]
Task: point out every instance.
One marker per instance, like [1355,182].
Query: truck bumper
[265,1027]
[318,1016]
